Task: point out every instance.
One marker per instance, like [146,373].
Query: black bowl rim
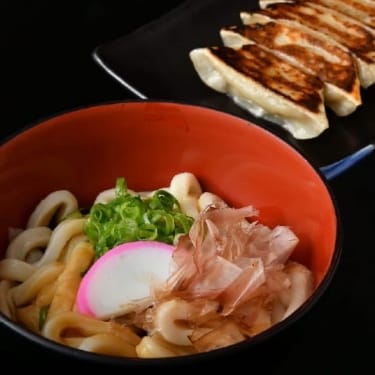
[217,353]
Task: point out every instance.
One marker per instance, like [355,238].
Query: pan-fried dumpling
[265,85]
[361,10]
[354,35]
[312,53]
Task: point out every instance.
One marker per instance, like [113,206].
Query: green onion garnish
[43,312]
[130,217]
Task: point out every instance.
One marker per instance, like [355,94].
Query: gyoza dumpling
[309,51]
[265,85]
[361,10]
[354,35]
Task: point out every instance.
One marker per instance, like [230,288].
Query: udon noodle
[44,264]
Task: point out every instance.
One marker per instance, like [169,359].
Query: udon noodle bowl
[230,278]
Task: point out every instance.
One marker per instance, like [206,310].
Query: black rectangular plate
[153,62]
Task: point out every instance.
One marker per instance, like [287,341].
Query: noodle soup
[238,232]
[228,278]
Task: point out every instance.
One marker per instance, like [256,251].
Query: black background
[47,67]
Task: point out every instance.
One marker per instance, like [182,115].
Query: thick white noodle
[6,303]
[186,189]
[168,318]
[106,196]
[301,288]
[61,235]
[24,293]
[57,204]
[15,270]
[27,241]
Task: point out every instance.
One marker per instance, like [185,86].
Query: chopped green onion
[147,232]
[129,217]
[121,188]
[182,223]
[164,200]
[43,312]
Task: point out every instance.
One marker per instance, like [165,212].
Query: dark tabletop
[47,67]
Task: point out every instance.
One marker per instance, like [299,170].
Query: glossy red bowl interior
[85,150]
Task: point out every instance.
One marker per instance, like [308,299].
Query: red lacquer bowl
[147,142]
